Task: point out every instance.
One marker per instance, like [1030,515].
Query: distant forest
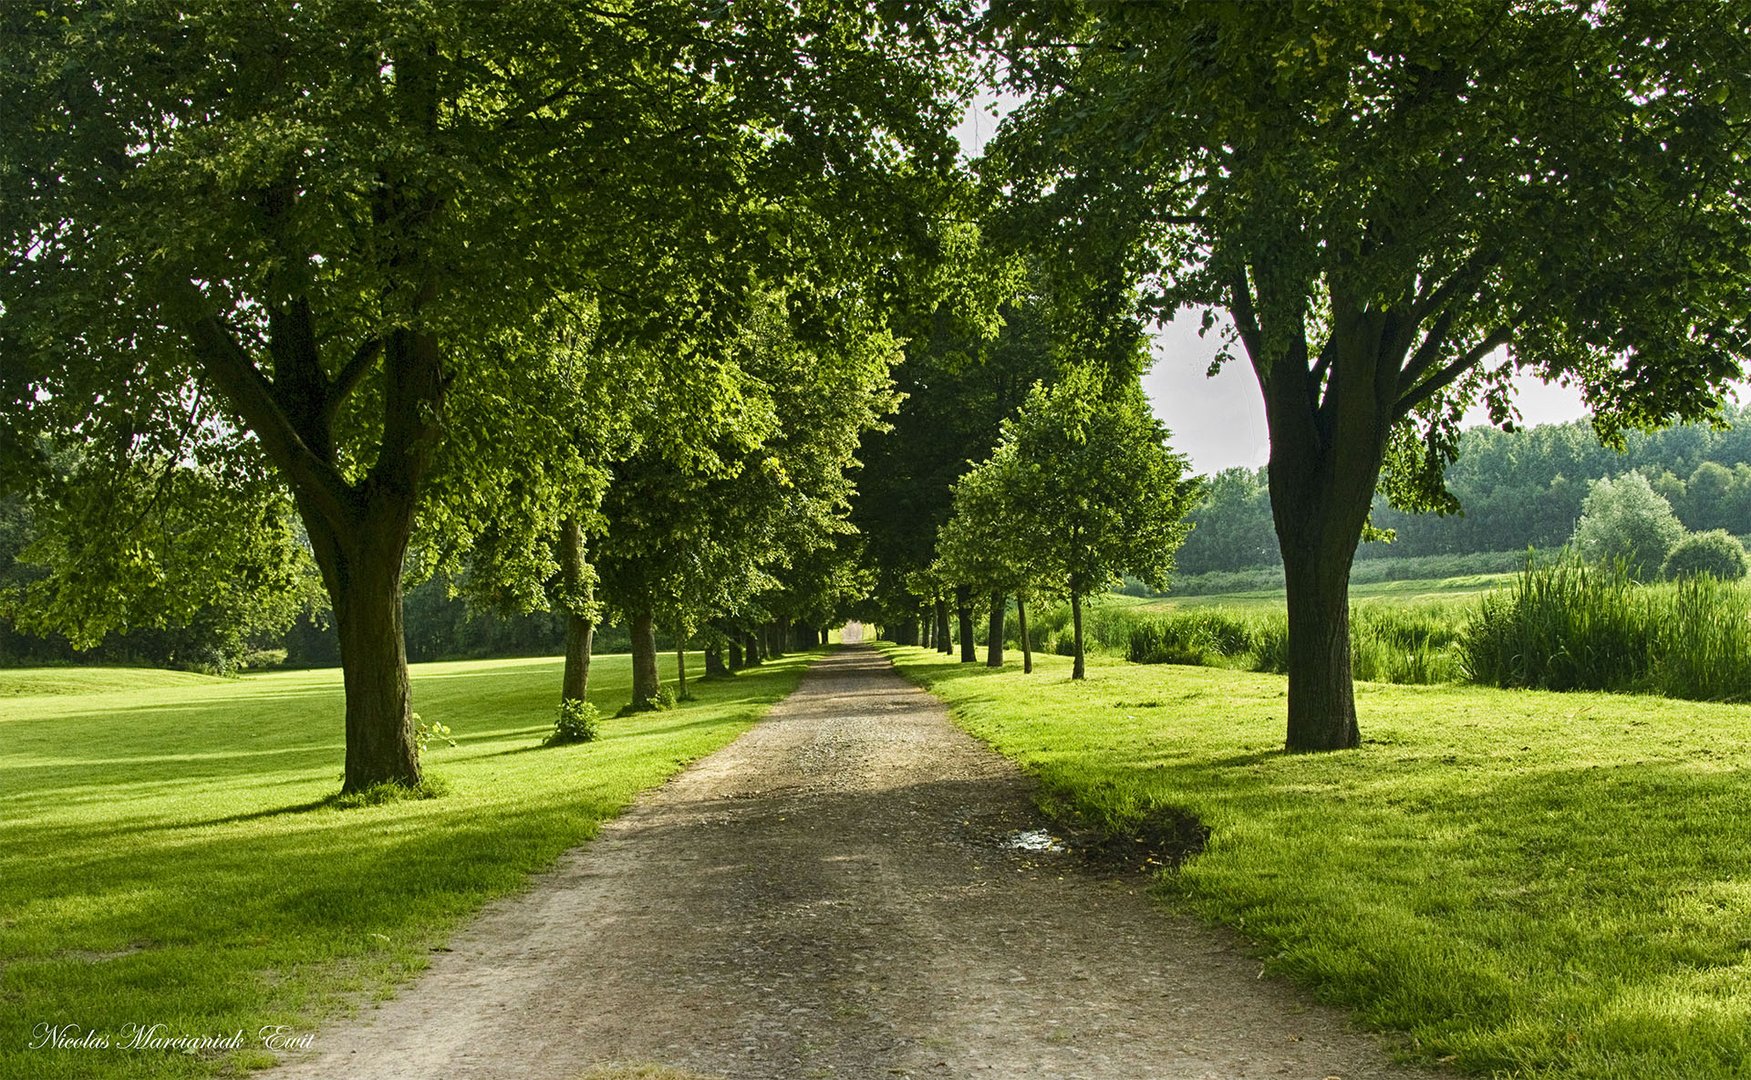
[1516,490]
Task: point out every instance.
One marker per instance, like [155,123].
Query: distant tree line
[1515,490]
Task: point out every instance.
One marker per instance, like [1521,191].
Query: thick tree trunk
[1327,445]
[580,632]
[714,658]
[736,661]
[358,529]
[755,649]
[1322,700]
[943,643]
[1027,647]
[366,597]
[994,632]
[1079,668]
[646,683]
[964,617]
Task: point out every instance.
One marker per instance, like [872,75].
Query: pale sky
[1221,421]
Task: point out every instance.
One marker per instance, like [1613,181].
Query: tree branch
[347,379]
[1433,385]
[235,374]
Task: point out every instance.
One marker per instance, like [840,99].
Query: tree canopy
[332,225]
[1384,199]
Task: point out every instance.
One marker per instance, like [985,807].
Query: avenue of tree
[687,316]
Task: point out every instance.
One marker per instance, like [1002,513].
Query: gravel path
[829,896]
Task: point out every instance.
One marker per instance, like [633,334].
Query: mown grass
[1525,884]
[172,854]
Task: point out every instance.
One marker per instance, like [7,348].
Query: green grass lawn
[1525,884]
[168,854]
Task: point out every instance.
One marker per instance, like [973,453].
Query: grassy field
[1417,591]
[1524,884]
[171,855]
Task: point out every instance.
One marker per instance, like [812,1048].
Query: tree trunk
[646,683]
[736,661]
[366,597]
[756,650]
[714,658]
[1027,647]
[1324,467]
[580,632]
[994,632]
[1322,699]
[358,529]
[943,643]
[680,668]
[1079,668]
[964,617]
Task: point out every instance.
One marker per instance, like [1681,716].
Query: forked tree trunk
[1326,453]
[964,616]
[580,632]
[943,643]
[1078,668]
[1027,647]
[358,530]
[646,683]
[994,632]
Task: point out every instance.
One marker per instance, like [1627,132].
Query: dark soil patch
[1162,841]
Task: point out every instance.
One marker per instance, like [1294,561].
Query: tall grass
[1572,626]
[1387,644]
[1559,625]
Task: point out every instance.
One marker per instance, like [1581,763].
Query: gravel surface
[832,896]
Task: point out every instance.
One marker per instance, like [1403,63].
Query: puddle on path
[1032,840]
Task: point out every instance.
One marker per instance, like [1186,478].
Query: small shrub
[424,733]
[1715,553]
[578,722]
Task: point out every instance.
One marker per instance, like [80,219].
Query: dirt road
[830,896]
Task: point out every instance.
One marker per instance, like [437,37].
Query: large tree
[1383,199]
[336,219]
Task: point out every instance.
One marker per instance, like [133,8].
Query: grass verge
[172,853]
[1526,884]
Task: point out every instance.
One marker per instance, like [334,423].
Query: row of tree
[584,305]
[595,316]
